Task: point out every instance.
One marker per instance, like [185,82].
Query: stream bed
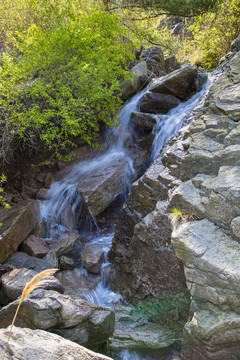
[145,330]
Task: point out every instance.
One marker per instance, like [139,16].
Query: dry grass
[34,283]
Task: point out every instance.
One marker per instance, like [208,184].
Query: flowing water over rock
[89,188]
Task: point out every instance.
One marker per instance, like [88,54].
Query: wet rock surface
[179,83]
[92,258]
[102,188]
[155,103]
[76,283]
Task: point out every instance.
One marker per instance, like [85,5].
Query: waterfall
[65,195]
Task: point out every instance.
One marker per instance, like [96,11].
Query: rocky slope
[199,174]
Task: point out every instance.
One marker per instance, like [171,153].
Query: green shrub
[213,33]
[59,74]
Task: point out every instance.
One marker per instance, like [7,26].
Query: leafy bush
[59,74]
[213,33]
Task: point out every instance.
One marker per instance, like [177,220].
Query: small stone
[49,180]
[35,246]
[93,257]
[43,194]
[66,263]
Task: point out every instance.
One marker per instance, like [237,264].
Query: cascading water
[64,195]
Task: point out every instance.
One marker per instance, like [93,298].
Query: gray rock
[211,262]
[27,344]
[21,224]
[233,68]
[35,246]
[188,199]
[233,138]
[14,282]
[235,228]
[155,60]
[21,260]
[93,257]
[235,45]
[49,180]
[228,102]
[42,229]
[155,103]
[143,121]
[43,194]
[145,192]
[61,246]
[100,190]
[219,334]
[131,87]
[66,263]
[179,83]
[146,265]
[171,64]
[76,283]
[141,336]
[64,243]
[71,317]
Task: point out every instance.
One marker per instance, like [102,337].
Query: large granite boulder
[18,224]
[212,269]
[100,190]
[155,103]
[27,344]
[179,83]
[209,248]
[69,316]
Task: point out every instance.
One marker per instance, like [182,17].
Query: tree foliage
[59,73]
[213,33]
[172,7]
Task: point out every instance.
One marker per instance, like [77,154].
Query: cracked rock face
[209,246]
[199,174]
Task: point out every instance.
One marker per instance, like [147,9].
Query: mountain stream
[64,197]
